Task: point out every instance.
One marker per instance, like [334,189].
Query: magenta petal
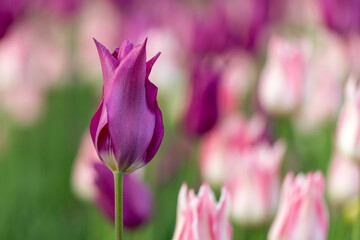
[125,48]
[108,62]
[131,122]
[95,121]
[151,93]
[202,112]
[150,64]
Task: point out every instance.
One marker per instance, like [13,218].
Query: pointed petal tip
[96,42]
[99,45]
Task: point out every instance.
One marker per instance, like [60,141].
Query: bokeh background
[50,86]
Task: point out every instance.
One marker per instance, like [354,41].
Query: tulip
[282,79]
[93,182]
[234,132]
[302,213]
[237,80]
[348,126]
[255,185]
[324,81]
[200,217]
[246,21]
[202,111]
[209,26]
[26,71]
[9,12]
[343,180]
[127,128]
[341,16]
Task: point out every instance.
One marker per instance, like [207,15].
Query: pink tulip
[343,180]
[324,81]
[302,214]
[199,217]
[26,70]
[255,185]
[348,127]
[282,79]
[234,132]
[237,79]
[92,19]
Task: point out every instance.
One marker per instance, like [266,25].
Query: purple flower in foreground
[138,201]
[127,128]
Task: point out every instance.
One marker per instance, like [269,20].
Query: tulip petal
[150,64]
[95,121]
[131,122]
[125,48]
[151,93]
[108,62]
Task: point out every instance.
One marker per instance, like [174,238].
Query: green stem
[118,183]
[356,224]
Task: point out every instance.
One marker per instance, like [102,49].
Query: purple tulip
[138,200]
[341,16]
[202,112]
[127,128]
[9,11]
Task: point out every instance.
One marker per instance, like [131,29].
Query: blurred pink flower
[353,49]
[255,185]
[348,126]
[327,67]
[100,20]
[200,217]
[343,180]
[283,77]
[237,79]
[234,132]
[83,173]
[26,71]
[302,213]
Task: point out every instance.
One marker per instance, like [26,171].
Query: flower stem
[356,224]
[118,183]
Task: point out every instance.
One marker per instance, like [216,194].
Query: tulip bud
[127,128]
[93,182]
[343,180]
[282,79]
[234,132]
[255,186]
[302,213]
[348,126]
[200,217]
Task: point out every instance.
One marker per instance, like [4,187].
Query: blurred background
[232,74]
